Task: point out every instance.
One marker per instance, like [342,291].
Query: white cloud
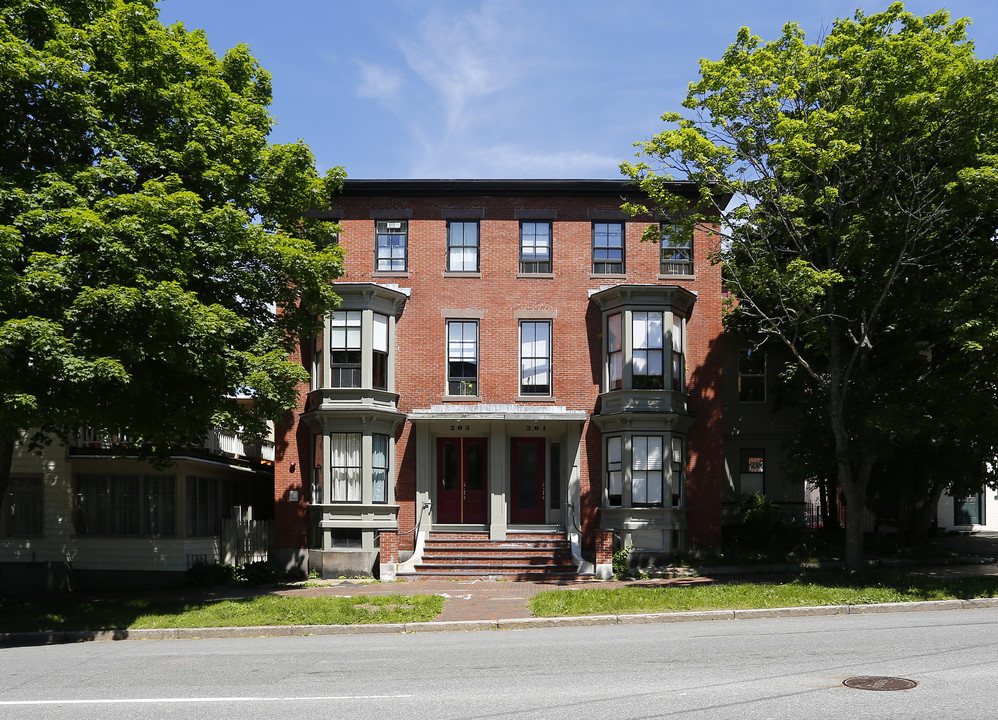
[378,82]
[509,161]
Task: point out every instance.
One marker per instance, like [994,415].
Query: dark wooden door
[527,480]
[462,480]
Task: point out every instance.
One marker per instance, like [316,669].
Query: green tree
[864,169]
[148,230]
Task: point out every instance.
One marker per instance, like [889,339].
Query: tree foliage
[865,174]
[148,230]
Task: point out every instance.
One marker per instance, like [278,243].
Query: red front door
[462,480]
[527,480]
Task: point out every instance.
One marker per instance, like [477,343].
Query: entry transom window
[462,357]
[391,245]
[462,246]
[608,248]
[535,247]
[677,249]
[345,349]
[535,357]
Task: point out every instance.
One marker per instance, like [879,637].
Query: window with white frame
[751,375]
[535,247]
[345,466]
[608,248]
[462,246]
[677,249]
[678,467]
[379,370]
[345,349]
[391,245]
[678,357]
[614,352]
[648,358]
[379,468]
[535,357]
[646,471]
[24,506]
[462,357]
[614,471]
[125,504]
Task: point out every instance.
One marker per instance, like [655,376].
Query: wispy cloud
[379,82]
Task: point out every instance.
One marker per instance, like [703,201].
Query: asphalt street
[765,668]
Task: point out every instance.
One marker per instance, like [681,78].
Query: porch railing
[217,442]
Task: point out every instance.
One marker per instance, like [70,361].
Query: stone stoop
[521,556]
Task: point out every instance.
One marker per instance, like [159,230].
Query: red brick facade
[498,296]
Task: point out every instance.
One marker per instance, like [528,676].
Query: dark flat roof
[501,187]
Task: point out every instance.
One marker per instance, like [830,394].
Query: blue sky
[498,88]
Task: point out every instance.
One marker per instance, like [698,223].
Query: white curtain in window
[379,468]
[345,466]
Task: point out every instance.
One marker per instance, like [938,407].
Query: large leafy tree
[156,262]
[865,174]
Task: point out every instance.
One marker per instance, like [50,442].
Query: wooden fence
[246,541]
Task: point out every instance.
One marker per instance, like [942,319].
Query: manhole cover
[878,682]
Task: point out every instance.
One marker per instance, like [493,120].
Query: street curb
[20,639]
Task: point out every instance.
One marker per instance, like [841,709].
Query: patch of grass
[48,615]
[804,591]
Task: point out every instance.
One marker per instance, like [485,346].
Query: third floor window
[535,247]
[462,246]
[391,245]
[608,248]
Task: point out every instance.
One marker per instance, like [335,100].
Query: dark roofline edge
[498,187]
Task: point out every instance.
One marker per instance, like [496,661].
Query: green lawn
[68,614]
[805,591]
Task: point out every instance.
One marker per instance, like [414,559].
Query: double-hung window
[646,471]
[345,466]
[648,357]
[677,249]
[462,246]
[379,351]
[345,355]
[126,505]
[614,471]
[751,375]
[391,245]
[614,352]
[462,357]
[379,468]
[25,506]
[608,248]
[535,357]
[535,247]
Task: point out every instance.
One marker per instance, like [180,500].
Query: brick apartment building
[509,361]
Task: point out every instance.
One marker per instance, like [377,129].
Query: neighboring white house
[974,513]
[88,513]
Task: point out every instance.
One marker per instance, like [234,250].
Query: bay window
[345,466]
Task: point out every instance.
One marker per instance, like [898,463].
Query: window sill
[461,398]
[538,276]
[608,276]
[454,274]
[688,278]
[536,399]
[390,273]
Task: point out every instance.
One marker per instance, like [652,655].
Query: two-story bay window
[608,248]
[535,357]
[345,349]
[462,246]
[648,352]
[391,245]
[345,466]
[535,247]
[646,471]
[462,357]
